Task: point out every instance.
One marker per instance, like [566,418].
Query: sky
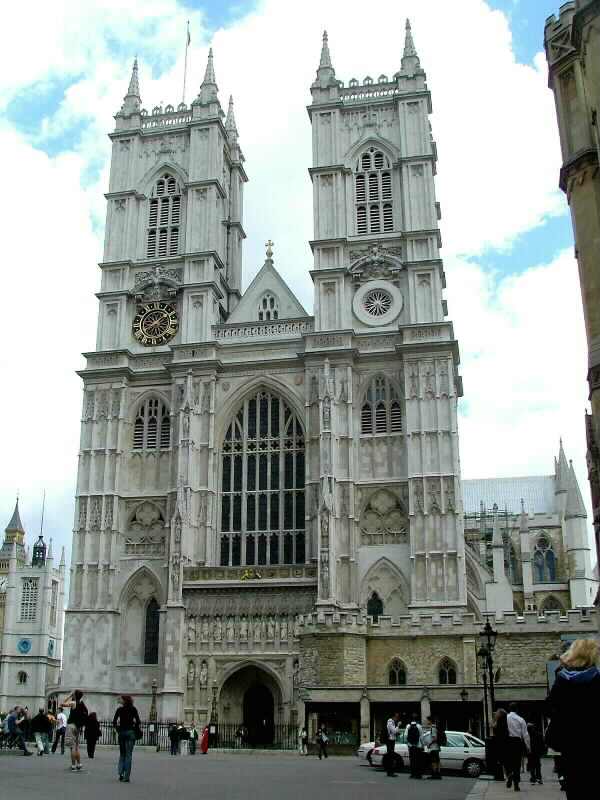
[513,292]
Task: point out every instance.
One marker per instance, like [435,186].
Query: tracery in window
[373,193]
[164,218]
[397,673]
[551,603]
[152,426]
[447,672]
[268,307]
[262,485]
[21,677]
[544,561]
[151,633]
[381,411]
[29,599]
[374,606]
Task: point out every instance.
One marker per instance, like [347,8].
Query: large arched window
[447,672]
[151,633]
[373,193]
[164,217]
[374,606]
[551,603]
[544,561]
[262,485]
[397,673]
[152,426]
[381,411]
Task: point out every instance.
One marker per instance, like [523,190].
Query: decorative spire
[209,75]
[325,55]
[410,59]
[524,524]
[15,525]
[562,476]
[325,72]
[62,557]
[496,535]
[575,507]
[134,84]
[230,125]
[209,88]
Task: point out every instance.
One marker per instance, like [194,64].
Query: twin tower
[242,462]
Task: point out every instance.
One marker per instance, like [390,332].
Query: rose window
[377,302]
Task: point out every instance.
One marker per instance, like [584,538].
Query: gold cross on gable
[269,245]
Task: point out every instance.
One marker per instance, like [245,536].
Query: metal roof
[537,492]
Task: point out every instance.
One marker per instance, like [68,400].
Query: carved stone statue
[218,630]
[283,629]
[326,412]
[324,574]
[191,631]
[191,674]
[257,629]
[205,629]
[230,629]
[203,673]
[270,628]
[244,629]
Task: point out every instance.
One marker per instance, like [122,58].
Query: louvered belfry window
[262,485]
[152,426]
[29,599]
[373,193]
[164,219]
[381,411]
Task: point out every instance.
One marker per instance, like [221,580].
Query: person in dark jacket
[174,739]
[538,749]
[576,694]
[500,748]
[41,727]
[75,724]
[127,723]
[92,733]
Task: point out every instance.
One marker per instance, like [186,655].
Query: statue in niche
[326,412]
[191,674]
[186,424]
[230,629]
[175,562]
[244,629]
[296,627]
[325,574]
[283,629]
[296,673]
[257,629]
[178,527]
[325,528]
[413,383]
[203,673]
[270,628]
[205,629]
[191,631]
[218,630]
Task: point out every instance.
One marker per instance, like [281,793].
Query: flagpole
[187,44]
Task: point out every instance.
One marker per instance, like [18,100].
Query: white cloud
[497,140]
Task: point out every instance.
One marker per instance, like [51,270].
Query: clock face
[155,323]
[24,645]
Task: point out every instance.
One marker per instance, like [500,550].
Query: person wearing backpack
[75,724]
[414,739]
[436,739]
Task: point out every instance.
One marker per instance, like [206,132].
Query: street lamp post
[482,655]
[464,696]
[153,717]
[488,641]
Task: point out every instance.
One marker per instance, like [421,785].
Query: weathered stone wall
[334,659]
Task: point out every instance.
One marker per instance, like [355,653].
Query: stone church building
[270,522]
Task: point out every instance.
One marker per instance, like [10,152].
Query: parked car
[463,752]
[365,751]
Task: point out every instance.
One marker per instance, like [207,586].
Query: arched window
[373,193]
[268,307]
[447,672]
[374,606]
[151,633]
[397,673]
[262,485]
[551,603]
[544,561]
[152,426]
[381,411]
[164,218]
[21,677]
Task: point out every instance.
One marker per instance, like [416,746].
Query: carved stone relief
[383,520]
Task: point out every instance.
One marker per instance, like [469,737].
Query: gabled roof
[267,280]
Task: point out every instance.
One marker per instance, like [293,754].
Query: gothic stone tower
[247,470]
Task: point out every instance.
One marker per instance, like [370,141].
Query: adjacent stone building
[270,521]
[31,618]
[573,53]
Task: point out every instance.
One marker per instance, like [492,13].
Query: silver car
[463,752]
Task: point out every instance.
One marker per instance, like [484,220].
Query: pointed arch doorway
[251,696]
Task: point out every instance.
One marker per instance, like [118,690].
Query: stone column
[365,717]
[425,705]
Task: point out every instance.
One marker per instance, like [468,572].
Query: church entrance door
[259,716]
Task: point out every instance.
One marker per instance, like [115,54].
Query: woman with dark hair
[500,750]
[92,733]
[574,696]
[75,724]
[127,723]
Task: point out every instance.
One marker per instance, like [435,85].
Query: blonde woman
[576,694]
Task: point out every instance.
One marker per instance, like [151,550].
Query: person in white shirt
[433,745]
[518,744]
[59,731]
[393,731]
[414,739]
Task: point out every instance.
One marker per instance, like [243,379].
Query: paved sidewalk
[488,789]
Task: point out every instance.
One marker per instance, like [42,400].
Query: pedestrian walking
[193,741]
[59,731]
[174,739]
[78,714]
[414,739]
[389,735]
[575,697]
[536,751]
[127,723]
[303,741]
[436,738]
[322,741]
[41,727]
[518,745]
[15,720]
[92,733]
[500,744]
[205,741]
